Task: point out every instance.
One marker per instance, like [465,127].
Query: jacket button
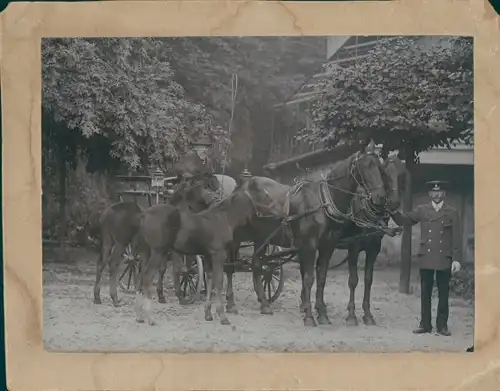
[430,240]
[429,250]
[430,231]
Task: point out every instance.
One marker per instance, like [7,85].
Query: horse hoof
[209,318]
[97,301]
[309,322]
[352,321]
[117,304]
[151,322]
[225,322]
[232,310]
[266,311]
[161,300]
[323,319]
[139,320]
[369,321]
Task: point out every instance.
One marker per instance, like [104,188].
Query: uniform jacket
[441,235]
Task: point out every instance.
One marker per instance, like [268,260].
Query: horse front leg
[229,268]
[325,251]
[218,261]
[116,260]
[371,257]
[144,295]
[307,254]
[102,261]
[208,298]
[161,276]
[353,283]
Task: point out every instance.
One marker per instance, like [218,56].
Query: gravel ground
[73,323]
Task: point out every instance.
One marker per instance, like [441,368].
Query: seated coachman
[198,168]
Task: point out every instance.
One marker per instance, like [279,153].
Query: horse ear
[370,147]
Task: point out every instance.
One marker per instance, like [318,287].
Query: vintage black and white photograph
[245,194]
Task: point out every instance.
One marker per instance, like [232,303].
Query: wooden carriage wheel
[193,280]
[130,274]
[272,276]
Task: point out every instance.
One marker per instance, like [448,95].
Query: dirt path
[73,323]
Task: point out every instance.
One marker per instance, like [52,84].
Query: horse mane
[343,168]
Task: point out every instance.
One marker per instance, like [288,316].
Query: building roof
[341,51]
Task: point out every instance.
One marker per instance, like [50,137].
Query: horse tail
[339,264]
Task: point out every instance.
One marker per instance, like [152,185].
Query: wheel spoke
[130,277]
[124,272]
[271,285]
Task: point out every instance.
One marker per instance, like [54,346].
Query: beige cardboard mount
[29,367]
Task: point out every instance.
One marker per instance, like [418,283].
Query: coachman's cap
[202,141]
[437,185]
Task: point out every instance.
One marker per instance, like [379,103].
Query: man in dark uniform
[439,255]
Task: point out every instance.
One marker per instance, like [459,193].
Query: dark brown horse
[119,225]
[165,228]
[325,211]
[364,236]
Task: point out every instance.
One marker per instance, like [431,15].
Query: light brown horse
[165,228]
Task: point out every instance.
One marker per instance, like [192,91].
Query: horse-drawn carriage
[310,219]
[147,191]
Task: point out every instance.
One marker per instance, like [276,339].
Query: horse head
[191,196]
[367,171]
[395,177]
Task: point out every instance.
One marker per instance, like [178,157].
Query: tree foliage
[269,69]
[407,91]
[124,90]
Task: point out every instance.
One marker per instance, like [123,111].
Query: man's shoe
[444,331]
[422,330]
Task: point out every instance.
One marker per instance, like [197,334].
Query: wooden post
[464,222]
[405,267]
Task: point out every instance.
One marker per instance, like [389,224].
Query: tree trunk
[62,197]
[405,271]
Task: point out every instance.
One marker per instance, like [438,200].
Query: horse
[165,228]
[119,225]
[324,208]
[358,238]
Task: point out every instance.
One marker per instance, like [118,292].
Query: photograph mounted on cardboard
[252,194]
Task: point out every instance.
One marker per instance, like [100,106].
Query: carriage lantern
[157,180]
[245,174]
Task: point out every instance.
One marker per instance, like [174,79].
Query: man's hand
[455,267]
[395,231]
